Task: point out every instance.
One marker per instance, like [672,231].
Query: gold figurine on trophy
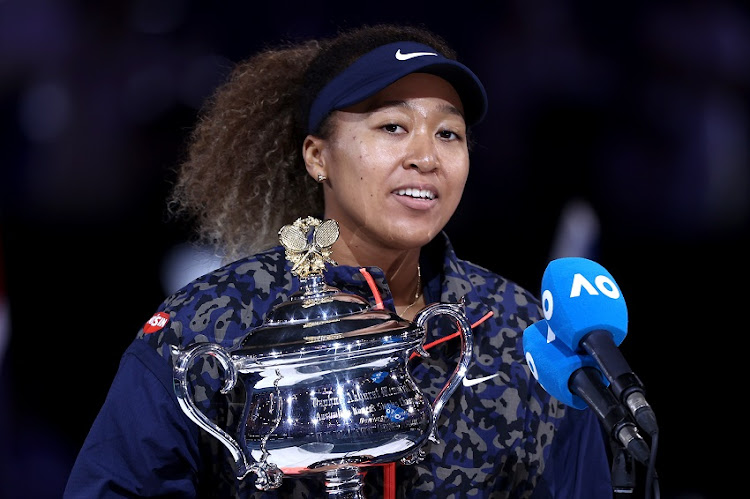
[309,254]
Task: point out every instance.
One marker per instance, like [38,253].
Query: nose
[422,153]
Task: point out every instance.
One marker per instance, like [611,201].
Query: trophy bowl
[323,382]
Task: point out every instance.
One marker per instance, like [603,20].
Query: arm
[141,444]
[578,464]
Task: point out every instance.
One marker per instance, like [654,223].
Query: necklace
[417,293]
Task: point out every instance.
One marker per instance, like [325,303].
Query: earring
[321,177]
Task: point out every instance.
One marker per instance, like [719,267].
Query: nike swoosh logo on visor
[411,55]
[476,381]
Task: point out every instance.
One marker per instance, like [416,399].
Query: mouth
[416,193]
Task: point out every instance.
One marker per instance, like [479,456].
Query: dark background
[625,124]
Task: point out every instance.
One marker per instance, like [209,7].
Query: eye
[393,128]
[448,135]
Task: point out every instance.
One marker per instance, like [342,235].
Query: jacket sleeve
[578,465]
[141,443]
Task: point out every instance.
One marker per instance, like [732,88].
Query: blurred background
[618,132]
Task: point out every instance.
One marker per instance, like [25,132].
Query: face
[396,164]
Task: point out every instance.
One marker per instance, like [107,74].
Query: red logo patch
[155,323]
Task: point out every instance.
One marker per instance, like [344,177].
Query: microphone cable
[652,479]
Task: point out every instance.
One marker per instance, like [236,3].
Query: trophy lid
[320,320]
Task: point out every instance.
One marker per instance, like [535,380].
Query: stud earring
[321,177]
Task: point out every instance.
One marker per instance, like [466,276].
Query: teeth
[417,193]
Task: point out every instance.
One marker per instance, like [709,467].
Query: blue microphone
[585,308]
[576,381]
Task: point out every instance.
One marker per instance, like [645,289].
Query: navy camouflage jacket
[503,437]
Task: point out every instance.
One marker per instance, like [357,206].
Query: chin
[414,240]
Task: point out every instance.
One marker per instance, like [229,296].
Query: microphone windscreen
[552,363]
[580,296]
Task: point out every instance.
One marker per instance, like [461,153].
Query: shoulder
[497,287]
[517,306]
[221,305]
[467,279]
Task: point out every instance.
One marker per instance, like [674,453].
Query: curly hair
[244,176]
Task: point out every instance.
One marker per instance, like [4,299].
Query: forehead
[414,86]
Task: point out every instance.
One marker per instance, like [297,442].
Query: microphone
[586,310]
[576,381]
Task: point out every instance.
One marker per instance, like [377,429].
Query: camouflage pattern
[494,435]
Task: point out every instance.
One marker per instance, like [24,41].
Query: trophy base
[344,483]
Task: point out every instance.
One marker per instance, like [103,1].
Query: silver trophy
[323,382]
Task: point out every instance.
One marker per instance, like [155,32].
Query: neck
[401,268]
[410,310]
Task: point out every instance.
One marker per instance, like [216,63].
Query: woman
[369,128]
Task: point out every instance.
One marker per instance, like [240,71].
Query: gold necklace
[417,293]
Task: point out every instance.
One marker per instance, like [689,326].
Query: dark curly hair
[244,176]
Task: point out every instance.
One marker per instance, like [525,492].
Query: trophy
[323,381]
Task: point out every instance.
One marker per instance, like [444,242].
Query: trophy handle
[183,361]
[457,312]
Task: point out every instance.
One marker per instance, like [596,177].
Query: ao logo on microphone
[602,284]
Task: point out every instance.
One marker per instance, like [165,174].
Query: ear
[312,153]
